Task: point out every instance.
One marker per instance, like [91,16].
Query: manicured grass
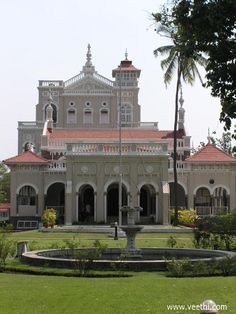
[142,293]
[41,240]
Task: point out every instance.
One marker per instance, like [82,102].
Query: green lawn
[38,240]
[142,293]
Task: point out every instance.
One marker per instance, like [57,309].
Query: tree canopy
[209,26]
[4,184]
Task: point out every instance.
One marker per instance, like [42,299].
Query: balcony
[114,149]
[57,166]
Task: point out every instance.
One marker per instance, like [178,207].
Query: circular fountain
[130,258]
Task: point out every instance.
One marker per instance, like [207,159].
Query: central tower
[126,90]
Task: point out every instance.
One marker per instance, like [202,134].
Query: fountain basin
[150,259]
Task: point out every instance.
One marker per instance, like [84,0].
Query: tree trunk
[175,146]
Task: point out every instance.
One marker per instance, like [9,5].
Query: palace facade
[88,141]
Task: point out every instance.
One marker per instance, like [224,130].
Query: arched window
[126,114]
[27,196]
[104,116]
[54,113]
[71,116]
[88,116]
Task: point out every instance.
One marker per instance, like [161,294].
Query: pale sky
[47,39]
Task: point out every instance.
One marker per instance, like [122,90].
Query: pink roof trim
[4,207]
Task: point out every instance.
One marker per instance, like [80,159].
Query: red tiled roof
[27,157]
[4,207]
[125,65]
[114,134]
[211,153]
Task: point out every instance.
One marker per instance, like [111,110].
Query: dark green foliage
[7,246]
[186,268]
[4,184]
[209,27]
[183,65]
[172,242]
[215,231]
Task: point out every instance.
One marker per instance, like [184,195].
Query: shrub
[185,216]
[178,267]
[7,247]
[49,217]
[172,242]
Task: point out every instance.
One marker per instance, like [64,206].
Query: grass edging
[16,266]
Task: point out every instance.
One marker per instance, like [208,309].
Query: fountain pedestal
[131,230]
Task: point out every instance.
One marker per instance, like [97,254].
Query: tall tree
[179,63]
[4,184]
[209,27]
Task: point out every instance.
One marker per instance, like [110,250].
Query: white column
[77,206]
[105,207]
[157,208]
[95,206]
[138,200]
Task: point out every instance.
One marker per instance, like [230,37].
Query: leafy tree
[209,27]
[176,62]
[4,184]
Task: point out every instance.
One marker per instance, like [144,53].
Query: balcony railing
[51,83]
[114,149]
[57,165]
[29,124]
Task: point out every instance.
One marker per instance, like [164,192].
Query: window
[88,117]
[126,114]
[54,113]
[71,116]
[24,224]
[88,104]
[27,196]
[104,116]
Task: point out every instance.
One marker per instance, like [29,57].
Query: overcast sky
[48,39]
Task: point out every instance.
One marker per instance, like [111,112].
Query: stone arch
[220,199]
[71,115]
[203,201]
[202,186]
[54,113]
[93,185]
[27,195]
[112,200]
[86,202]
[109,182]
[181,190]
[147,200]
[27,184]
[55,198]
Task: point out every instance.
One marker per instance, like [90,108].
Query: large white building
[88,139]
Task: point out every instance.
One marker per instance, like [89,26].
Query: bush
[7,247]
[216,231]
[178,267]
[185,216]
[171,242]
[49,217]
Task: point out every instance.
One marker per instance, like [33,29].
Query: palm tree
[186,70]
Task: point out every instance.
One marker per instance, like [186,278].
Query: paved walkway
[109,229]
